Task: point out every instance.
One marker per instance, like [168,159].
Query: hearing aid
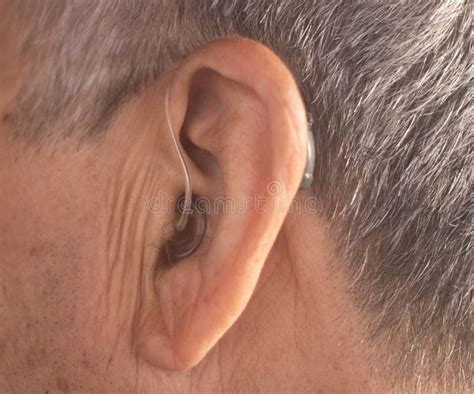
[307,180]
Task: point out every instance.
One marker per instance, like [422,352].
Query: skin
[85,302]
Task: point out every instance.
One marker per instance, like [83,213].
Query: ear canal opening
[186,242]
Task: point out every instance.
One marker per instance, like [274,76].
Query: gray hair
[389,85]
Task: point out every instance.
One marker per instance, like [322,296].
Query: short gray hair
[389,85]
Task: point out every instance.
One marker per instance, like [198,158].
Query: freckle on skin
[34,251]
[62,384]
[86,364]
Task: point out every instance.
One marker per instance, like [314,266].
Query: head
[361,283]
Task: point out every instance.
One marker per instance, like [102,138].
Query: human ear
[242,126]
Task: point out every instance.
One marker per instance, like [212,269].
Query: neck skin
[300,324]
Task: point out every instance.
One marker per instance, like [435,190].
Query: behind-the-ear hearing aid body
[186,210]
[307,180]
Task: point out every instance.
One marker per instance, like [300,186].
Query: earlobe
[237,102]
